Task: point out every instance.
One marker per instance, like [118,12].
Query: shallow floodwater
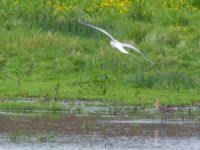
[62,131]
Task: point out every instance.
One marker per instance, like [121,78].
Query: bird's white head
[112,44]
[118,46]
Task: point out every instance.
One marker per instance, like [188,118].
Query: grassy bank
[45,53]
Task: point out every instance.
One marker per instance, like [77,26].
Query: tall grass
[45,52]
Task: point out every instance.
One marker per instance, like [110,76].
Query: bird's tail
[138,51]
[145,57]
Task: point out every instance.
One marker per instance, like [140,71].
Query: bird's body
[164,110]
[116,44]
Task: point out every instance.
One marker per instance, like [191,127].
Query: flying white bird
[116,44]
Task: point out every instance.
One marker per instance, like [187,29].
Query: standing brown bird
[164,110]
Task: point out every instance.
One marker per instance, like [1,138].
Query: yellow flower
[120,6]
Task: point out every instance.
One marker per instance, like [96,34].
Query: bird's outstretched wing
[97,28]
[136,50]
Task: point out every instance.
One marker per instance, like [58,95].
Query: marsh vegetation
[45,53]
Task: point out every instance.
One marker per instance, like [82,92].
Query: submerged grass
[45,53]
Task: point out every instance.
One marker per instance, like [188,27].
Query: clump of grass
[45,138]
[14,137]
[55,107]
[19,106]
[28,106]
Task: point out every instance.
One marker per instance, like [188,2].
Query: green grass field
[45,53]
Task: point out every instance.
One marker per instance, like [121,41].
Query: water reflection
[71,131]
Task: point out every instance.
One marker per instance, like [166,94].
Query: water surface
[96,132]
